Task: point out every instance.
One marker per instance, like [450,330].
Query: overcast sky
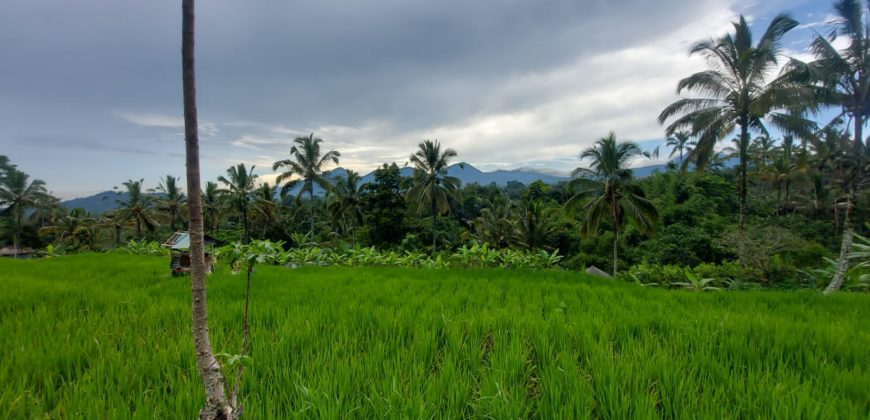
[90,90]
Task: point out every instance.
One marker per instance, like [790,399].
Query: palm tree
[212,205]
[17,194]
[841,79]
[137,207]
[679,142]
[116,220]
[172,199]
[240,185]
[735,93]
[75,227]
[346,201]
[432,188]
[762,148]
[217,404]
[608,190]
[535,223]
[494,225]
[264,206]
[307,163]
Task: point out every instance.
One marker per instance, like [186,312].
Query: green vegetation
[114,342]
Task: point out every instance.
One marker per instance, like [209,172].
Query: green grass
[108,336]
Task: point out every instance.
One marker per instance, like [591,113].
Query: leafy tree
[307,163]
[345,202]
[735,93]
[172,199]
[385,206]
[607,190]
[239,183]
[138,207]
[432,188]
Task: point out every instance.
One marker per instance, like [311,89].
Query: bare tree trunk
[217,406]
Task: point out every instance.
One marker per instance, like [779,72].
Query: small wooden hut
[10,252]
[179,253]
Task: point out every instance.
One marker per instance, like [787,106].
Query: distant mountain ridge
[108,200]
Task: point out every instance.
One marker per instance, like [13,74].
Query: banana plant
[696,283]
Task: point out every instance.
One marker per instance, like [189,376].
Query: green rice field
[108,336]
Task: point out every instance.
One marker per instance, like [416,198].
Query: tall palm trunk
[846,242]
[741,189]
[217,406]
[615,210]
[245,235]
[139,227]
[434,220]
[16,239]
[117,235]
[311,215]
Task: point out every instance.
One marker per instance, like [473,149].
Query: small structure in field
[595,271]
[179,253]
[10,252]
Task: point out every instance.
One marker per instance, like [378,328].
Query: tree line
[776,202]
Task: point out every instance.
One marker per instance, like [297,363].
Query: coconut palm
[307,163]
[431,187]
[606,190]
[345,202]
[172,199]
[239,184]
[264,206]
[115,219]
[74,228]
[45,209]
[761,148]
[17,195]
[840,79]
[679,142]
[212,205]
[735,93]
[138,207]
[494,225]
[534,224]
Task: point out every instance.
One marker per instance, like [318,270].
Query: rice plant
[108,336]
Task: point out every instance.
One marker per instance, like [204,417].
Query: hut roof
[181,241]
[9,251]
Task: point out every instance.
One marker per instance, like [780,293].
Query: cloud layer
[506,83]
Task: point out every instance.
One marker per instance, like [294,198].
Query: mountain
[97,203]
[107,200]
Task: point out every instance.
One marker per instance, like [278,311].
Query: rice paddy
[108,336]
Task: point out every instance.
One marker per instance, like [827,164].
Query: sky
[90,90]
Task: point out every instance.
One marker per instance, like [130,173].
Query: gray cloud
[507,83]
